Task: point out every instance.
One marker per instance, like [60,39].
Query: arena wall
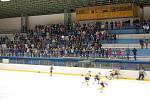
[48,19]
[8,24]
[125,74]
[45,20]
[146,12]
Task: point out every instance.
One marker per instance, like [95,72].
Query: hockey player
[103,83]
[87,77]
[97,78]
[51,70]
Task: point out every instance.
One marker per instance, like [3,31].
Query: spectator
[141,43]
[128,53]
[146,43]
[103,52]
[109,52]
[146,28]
[62,40]
[114,51]
[134,53]
[119,53]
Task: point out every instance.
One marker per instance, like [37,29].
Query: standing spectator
[123,53]
[119,53]
[141,43]
[103,52]
[114,52]
[106,53]
[146,43]
[111,24]
[109,52]
[128,53]
[134,53]
[146,28]
[115,37]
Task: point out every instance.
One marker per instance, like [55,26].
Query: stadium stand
[101,37]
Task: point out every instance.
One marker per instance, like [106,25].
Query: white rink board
[70,70]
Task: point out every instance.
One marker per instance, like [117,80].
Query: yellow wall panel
[107,11]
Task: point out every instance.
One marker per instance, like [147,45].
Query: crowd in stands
[55,45]
[21,50]
[50,39]
[127,24]
[59,40]
[144,43]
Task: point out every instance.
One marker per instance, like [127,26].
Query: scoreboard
[107,12]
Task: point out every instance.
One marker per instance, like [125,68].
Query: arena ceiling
[14,8]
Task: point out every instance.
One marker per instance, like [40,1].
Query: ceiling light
[4,0]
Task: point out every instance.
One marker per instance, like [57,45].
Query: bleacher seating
[61,41]
[126,31]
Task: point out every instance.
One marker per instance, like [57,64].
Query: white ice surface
[38,86]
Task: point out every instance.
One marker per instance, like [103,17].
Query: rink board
[124,74]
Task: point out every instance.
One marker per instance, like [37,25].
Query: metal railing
[79,62]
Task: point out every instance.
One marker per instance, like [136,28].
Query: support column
[24,23]
[67,17]
[142,13]
[131,22]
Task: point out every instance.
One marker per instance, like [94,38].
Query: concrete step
[133,36]
[123,41]
[119,45]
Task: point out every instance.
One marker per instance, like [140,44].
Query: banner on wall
[107,12]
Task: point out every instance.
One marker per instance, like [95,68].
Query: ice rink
[38,86]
